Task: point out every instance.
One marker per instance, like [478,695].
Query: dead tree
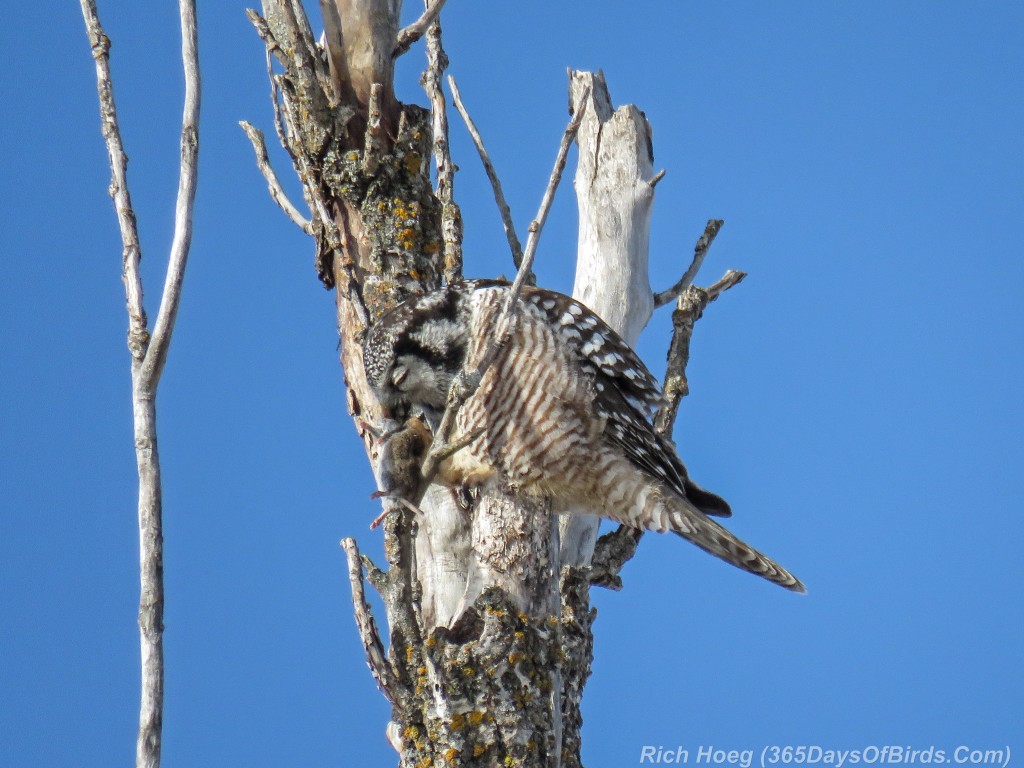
[487,599]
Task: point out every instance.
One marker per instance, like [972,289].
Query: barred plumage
[566,408]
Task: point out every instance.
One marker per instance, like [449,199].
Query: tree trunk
[489,618]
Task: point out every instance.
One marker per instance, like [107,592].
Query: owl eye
[399,375]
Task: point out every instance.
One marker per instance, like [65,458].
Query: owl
[564,409]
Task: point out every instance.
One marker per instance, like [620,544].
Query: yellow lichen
[478,749]
[476,717]
[450,754]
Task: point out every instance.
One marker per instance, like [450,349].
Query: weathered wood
[615,195]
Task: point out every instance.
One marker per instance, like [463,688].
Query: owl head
[413,353]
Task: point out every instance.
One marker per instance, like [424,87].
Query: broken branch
[700,250]
[277,193]
[492,175]
[409,35]
[376,658]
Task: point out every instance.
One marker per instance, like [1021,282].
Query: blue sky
[857,399]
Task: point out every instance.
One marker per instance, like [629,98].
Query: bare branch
[409,35]
[689,308]
[277,192]
[525,270]
[700,250]
[376,659]
[156,355]
[499,196]
[138,333]
[728,280]
[451,216]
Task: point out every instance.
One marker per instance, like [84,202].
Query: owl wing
[626,394]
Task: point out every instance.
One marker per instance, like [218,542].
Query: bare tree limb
[689,308]
[410,34]
[277,193]
[149,353]
[138,334]
[526,269]
[376,658]
[156,355]
[700,250]
[499,196]
[725,282]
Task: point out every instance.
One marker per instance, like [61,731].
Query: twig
[451,216]
[271,45]
[277,192]
[525,271]
[689,308]
[138,334]
[376,658]
[149,353]
[156,355]
[700,250]
[409,35]
[728,280]
[499,196]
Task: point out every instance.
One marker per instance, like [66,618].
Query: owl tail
[694,526]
